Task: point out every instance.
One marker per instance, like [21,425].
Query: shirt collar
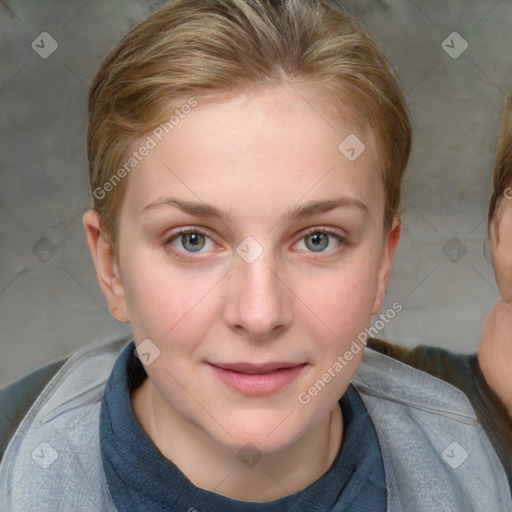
[139,477]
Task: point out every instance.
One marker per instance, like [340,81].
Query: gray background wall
[50,302]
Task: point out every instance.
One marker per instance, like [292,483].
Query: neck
[274,476]
[495,353]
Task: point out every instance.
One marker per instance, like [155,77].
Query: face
[251,255]
[501,246]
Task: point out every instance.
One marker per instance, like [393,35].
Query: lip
[260,379]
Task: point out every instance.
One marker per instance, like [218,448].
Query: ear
[388,252]
[500,239]
[107,267]
[494,227]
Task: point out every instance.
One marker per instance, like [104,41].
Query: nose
[259,302]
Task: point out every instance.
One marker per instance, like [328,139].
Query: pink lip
[255,380]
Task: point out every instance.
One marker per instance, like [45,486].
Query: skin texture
[256,155]
[495,352]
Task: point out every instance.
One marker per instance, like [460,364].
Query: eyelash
[310,231]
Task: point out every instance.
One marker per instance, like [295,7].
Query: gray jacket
[436,456]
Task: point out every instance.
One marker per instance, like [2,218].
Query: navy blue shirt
[140,478]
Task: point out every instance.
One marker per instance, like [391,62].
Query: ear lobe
[107,268]
[390,246]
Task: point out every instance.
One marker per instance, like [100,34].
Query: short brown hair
[502,173]
[206,48]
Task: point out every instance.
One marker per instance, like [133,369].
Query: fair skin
[257,156]
[495,352]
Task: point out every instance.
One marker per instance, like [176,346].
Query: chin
[266,432]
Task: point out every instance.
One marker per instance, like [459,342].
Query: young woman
[246,159]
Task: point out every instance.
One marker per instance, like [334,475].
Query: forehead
[272,147]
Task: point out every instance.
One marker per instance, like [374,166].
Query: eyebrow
[295,214]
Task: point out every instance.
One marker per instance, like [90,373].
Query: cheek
[340,302]
[163,300]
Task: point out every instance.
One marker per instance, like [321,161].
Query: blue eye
[318,239]
[192,240]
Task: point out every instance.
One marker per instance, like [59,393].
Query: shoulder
[17,398]
[414,376]
[417,417]
[461,371]
[458,369]
[54,422]
[77,379]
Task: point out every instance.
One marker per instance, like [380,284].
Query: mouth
[257,379]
